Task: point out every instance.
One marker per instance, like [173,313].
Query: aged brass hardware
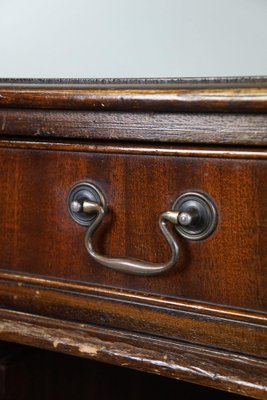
[198,215]
[80,193]
[193,215]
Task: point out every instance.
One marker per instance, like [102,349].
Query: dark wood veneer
[205,320]
[38,236]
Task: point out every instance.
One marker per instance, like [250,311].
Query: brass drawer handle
[130,265]
[196,217]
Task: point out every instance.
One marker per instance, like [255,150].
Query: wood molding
[187,321]
[214,129]
[206,95]
[159,150]
[119,321]
[222,370]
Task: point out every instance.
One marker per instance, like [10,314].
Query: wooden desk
[142,144]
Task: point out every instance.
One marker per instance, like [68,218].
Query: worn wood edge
[232,81]
[223,370]
[157,99]
[183,322]
[183,128]
[136,149]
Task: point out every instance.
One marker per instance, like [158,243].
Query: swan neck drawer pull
[193,215]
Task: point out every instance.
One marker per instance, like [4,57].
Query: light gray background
[132,38]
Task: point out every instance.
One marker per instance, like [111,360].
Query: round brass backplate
[80,192]
[204,214]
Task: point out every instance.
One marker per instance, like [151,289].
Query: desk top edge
[138,83]
[199,95]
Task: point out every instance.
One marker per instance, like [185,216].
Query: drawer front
[38,236]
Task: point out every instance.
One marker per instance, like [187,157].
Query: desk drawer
[143,144]
[38,236]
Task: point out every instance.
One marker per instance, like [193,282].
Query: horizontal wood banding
[187,306]
[223,370]
[157,99]
[213,129]
[162,330]
[159,150]
[188,324]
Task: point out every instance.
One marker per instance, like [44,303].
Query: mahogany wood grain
[142,142]
[38,236]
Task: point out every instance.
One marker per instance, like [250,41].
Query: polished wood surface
[250,153]
[205,320]
[184,95]
[39,237]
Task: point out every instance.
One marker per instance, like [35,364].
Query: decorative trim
[223,370]
[188,321]
[97,147]
[174,95]
[191,129]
